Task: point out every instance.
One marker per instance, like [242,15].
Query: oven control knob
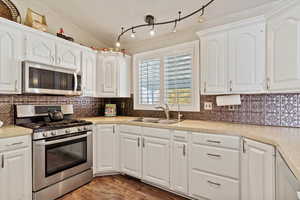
[53,133]
[79,129]
[85,128]
[45,134]
[67,131]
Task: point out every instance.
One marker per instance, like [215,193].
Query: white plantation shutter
[149,82]
[169,75]
[178,79]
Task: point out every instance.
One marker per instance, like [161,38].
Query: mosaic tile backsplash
[264,109]
[83,106]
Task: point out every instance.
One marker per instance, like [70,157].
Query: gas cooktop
[47,126]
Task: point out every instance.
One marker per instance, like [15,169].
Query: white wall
[55,21]
[190,33]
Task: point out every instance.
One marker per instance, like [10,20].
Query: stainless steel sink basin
[155,120]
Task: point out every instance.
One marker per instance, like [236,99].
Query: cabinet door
[105,149]
[156,161]
[284,50]
[68,56]
[10,60]
[15,175]
[214,63]
[287,185]
[107,73]
[247,59]
[88,73]
[40,49]
[179,175]
[131,155]
[258,171]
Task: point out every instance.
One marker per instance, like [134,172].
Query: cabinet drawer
[216,140]
[180,135]
[14,143]
[130,129]
[215,160]
[213,187]
[156,132]
[109,127]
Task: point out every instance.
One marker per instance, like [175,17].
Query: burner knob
[53,133]
[45,134]
[67,131]
[79,129]
[85,128]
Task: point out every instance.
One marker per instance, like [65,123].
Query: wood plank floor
[119,188]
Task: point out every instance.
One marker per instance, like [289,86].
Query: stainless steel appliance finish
[62,151]
[77,150]
[45,79]
[61,188]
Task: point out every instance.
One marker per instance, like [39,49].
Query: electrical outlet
[207,105]
[231,108]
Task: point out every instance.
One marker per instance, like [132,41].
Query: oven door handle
[76,82]
[44,143]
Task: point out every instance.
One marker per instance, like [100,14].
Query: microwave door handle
[76,82]
[44,143]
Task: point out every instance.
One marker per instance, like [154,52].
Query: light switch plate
[207,105]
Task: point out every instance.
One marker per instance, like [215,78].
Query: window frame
[189,47]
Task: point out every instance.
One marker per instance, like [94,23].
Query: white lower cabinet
[214,167]
[179,163]
[209,186]
[156,161]
[199,165]
[105,149]
[258,171]
[16,169]
[287,185]
[131,154]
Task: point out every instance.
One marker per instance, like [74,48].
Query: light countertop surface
[14,131]
[287,140]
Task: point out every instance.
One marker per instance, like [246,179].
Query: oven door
[57,159]
[44,79]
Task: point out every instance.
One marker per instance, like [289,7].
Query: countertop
[14,131]
[287,140]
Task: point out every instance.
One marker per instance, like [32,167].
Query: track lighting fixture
[150,21]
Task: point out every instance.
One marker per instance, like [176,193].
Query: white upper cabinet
[258,171]
[11,45]
[214,63]
[284,50]
[68,56]
[88,70]
[247,46]
[113,71]
[40,49]
[233,58]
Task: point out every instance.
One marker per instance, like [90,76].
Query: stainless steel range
[62,149]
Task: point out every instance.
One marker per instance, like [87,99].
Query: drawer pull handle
[214,155]
[213,141]
[14,144]
[138,141]
[184,150]
[213,183]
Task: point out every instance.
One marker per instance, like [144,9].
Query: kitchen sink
[155,120]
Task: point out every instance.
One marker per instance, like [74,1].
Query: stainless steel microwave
[46,79]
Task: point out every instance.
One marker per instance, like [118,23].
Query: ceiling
[104,19]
